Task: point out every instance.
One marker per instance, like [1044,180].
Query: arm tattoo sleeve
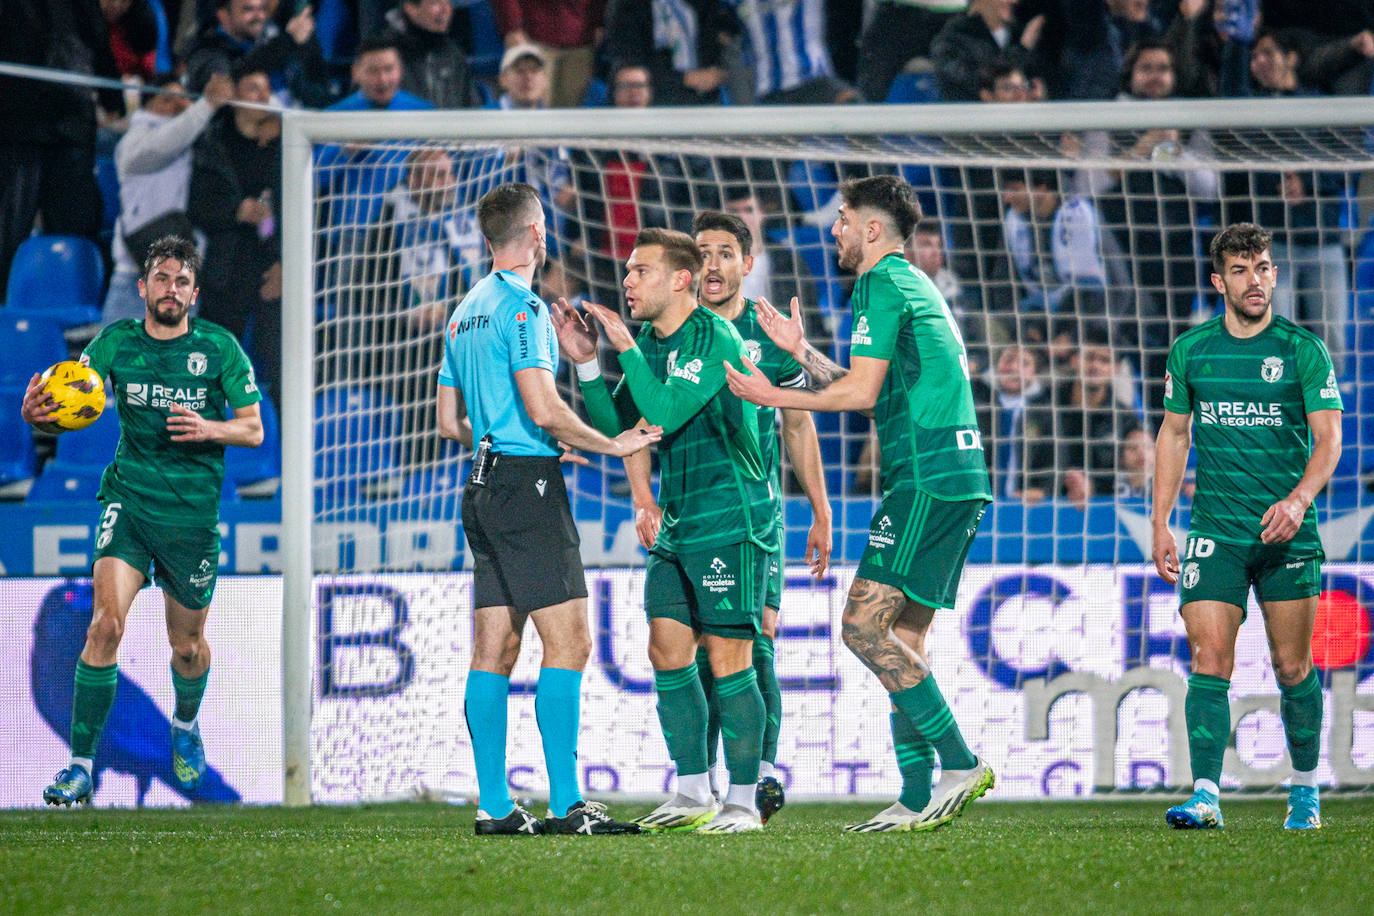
[821,371]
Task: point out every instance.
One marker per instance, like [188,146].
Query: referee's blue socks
[557,700]
[484,705]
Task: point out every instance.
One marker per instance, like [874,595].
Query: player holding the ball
[170,378]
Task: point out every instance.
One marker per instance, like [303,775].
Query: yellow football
[78,391]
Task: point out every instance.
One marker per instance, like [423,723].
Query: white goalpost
[1068,231]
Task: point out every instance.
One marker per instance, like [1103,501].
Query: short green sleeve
[1178,397]
[879,309]
[1318,377]
[99,353]
[240,387]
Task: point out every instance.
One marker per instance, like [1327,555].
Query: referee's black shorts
[519,527]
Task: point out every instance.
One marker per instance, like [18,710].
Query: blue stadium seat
[354,444]
[598,94]
[61,277]
[18,462]
[107,179]
[436,493]
[812,184]
[256,472]
[66,482]
[32,344]
[487,46]
[93,446]
[811,243]
[913,88]
[336,28]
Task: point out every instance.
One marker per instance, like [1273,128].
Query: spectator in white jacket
[153,161]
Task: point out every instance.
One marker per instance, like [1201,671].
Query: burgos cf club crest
[196,364]
[1272,370]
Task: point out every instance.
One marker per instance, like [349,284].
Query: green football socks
[772,696]
[189,691]
[1207,711]
[926,708]
[92,698]
[1300,707]
[915,761]
[708,686]
[741,724]
[682,714]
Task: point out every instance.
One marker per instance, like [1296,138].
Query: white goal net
[1070,241]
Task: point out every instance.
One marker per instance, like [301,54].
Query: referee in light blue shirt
[496,387]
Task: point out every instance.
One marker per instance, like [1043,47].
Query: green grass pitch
[1001,857]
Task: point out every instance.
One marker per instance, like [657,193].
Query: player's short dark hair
[505,211]
[714,220]
[175,247]
[997,69]
[381,42]
[887,194]
[680,250]
[1238,239]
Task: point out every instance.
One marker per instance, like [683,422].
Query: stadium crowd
[1067,283]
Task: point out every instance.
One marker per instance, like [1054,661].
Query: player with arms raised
[708,568]
[170,378]
[725,242]
[908,366]
[1268,414]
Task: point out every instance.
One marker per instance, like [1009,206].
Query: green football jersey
[713,485]
[927,429]
[780,369]
[1249,399]
[176,483]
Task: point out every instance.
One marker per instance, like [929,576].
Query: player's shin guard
[915,761]
[189,691]
[928,711]
[1207,711]
[1301,710]
[557,700]
[682,714]
[92,697]
[772,696]
[708,686]
[741,723]
[484,705]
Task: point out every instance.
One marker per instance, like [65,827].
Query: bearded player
[1268,414]
[170,377]
[909,368]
